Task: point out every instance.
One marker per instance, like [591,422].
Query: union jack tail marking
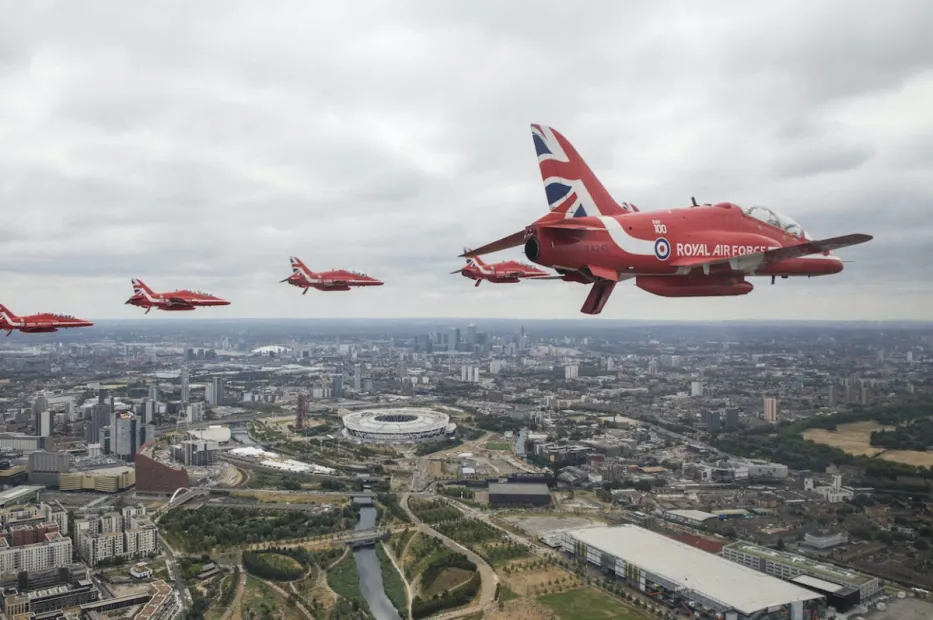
[570,186]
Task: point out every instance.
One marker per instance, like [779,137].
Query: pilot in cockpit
[783,222]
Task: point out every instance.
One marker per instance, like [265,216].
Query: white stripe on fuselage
[142,291]
[481,268]
[624,241]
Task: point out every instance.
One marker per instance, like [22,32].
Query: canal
[368,567]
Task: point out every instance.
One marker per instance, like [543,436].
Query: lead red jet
[173,301]
[336,280]
[506,272]
[698,251]
[41,323]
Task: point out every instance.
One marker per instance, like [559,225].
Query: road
[344,536]
[220,503]
[286,596]
[238,597]
[489,579]
[171,564]
[420,471]
[537,549]
[175,573]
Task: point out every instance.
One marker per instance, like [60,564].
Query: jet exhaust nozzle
[532,249]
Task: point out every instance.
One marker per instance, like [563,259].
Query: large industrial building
[843,588]
[104,480]
[404,425]
[44,468]
[682,576]
[519,493]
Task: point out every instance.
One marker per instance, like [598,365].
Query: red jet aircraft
[43,322]
[173,301]
[697,251]
[337,280]
[506,272]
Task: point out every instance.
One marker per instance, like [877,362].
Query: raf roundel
[662,248]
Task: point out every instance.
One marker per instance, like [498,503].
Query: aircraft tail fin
[298,266]
[473,260]
[572,189]
[140,288]
[6,316]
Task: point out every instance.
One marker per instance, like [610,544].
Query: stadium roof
[730,584]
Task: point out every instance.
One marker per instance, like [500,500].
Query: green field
[498,445]
[281,567]
[392,582]
[588,604]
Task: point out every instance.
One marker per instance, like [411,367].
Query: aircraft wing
[776,255]
[512,241]
[178,301]
[517,239]
[571,225]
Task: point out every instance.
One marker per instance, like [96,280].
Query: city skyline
[204,156]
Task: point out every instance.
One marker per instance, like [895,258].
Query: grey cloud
[836,49]
[202,144]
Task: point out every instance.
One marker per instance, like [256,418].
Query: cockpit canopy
[779,220]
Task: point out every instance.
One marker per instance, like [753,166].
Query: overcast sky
[199,144]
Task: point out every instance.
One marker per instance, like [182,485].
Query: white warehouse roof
[691,515]
[220,434]
[735,586]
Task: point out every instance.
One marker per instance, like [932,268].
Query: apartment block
[127,534]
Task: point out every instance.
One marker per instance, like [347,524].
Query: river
[369,570]
[241,435]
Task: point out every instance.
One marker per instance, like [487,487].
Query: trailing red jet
[697,251]
[506,272]
[173,301]
[43,322]
[336,280]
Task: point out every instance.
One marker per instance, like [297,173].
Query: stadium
[405,425]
